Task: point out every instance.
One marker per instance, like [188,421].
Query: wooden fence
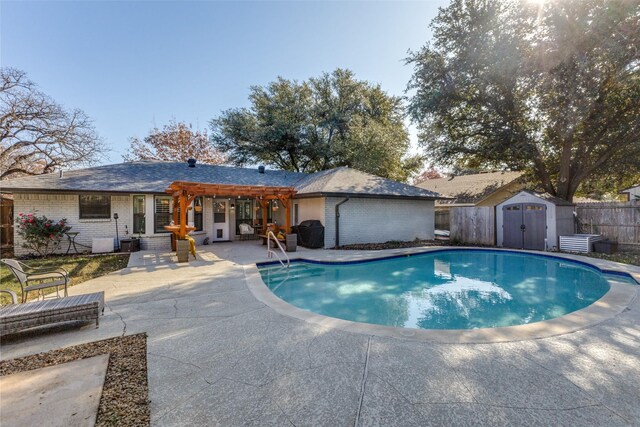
[619,221]
[473,225]
[442,219]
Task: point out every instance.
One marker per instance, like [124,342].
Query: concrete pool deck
[219,356]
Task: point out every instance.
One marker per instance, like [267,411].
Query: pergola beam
[184,192]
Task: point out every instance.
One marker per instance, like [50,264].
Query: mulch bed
[394,245]
[124,400]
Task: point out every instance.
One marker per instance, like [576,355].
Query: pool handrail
[270,253]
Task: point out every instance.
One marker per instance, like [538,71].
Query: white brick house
[371,209]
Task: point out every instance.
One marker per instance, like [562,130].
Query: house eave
[71,191]
[363,196]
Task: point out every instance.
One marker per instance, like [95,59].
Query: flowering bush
[41,234]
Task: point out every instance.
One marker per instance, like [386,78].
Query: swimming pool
[448,289]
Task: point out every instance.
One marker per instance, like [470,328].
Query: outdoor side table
[72,241]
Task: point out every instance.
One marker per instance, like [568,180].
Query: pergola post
[286,202]
[176,204]
[264,204]
[288,219]
[183,215]
[184,193]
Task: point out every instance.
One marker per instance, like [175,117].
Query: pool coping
[615,301]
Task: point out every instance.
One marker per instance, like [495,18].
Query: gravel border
[124,400]
[394,244]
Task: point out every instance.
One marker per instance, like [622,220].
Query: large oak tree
[551,87]
[321,123]
[37,135]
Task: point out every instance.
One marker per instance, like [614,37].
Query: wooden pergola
[184,192]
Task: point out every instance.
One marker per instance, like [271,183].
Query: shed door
[524,226]
[535,225]
[512,236]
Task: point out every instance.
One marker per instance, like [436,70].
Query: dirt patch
[124,400]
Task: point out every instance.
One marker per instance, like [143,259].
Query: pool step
[293,272]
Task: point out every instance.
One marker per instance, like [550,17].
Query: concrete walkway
[64,395]
[218,356]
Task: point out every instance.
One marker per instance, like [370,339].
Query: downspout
[338,221]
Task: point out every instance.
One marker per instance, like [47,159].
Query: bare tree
[176,141]
[37,135]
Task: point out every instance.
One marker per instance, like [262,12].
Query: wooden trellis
[184,193]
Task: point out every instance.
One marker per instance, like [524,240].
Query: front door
[524,226]
[220,220]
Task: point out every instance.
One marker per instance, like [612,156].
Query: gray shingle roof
[155,177]
[149,177]
[347,181]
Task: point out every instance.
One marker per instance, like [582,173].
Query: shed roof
[627,190]
[470,189]
[546,197]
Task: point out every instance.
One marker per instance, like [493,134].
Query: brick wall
[310,209]
[58,206]
[378,220]
[361,221]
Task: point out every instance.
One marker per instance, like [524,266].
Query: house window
[138,215]
[219,212]
[198,213]
[162,214]
[95,206]
[295,214]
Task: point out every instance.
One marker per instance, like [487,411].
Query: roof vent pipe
[260,169]
[61,172]
[192,163]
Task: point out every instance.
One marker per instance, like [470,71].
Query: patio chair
[37,279]
[246,231]
[16,317]
[12,295]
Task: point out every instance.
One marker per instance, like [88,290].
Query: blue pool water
[461,289]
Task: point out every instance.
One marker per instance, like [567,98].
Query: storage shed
[530,220]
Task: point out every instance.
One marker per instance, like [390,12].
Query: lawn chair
[12,295]
[37,279]
[17,317]
[246,231]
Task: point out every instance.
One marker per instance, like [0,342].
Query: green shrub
[40,234]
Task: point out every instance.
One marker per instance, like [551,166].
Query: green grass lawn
[80,267]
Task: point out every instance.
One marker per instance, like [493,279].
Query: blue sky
[133,65]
